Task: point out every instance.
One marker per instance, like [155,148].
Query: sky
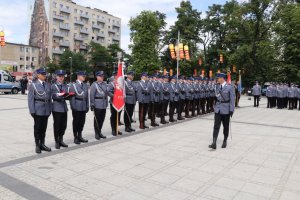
[15,15]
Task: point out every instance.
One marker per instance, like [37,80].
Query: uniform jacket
[174,92]
[166,91]
[59,103]
[99,95]
[189,91]
[155,93]
[131,90]
[181,88]
[80,101]
[225,99]
[143,92]
[256,90]
[39,99]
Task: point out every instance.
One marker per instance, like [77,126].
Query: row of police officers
[157,97]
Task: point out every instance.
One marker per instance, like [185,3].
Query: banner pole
[117,131]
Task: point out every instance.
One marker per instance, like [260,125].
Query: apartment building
[73,27]
[19,57]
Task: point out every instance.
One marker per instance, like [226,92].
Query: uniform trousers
[78,122]
[60,124]
[99,117]
[224,119]
[40,127]
[128,114]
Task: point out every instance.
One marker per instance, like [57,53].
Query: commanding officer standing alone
[79,106]
[224,109]
[99,103]
[256,93]
[39,103]
[59,108]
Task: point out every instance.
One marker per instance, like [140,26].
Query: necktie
[44,85]
[221,87]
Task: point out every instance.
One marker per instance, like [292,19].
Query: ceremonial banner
[118,99]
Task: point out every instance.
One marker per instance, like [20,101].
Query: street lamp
[178,52]
[71,69]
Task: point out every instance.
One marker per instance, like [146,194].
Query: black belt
[129,94]
[43,100]
[146,94]
[99,97]
[224,101]
[59,100]
[79,99]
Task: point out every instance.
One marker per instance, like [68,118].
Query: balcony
[64,26]
[65,10]
[96,41]
[57,51]
[58,34]
[64,43]
[84,31]
[79,22]
[116,24]
[101,35]
[101,20]
[116,38]
[95,26]
[78,38]
[58,17]
[112,30]
[83,15]
[83,47]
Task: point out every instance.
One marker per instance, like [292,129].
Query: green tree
[146,30]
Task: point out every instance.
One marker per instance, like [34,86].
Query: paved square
[262,160]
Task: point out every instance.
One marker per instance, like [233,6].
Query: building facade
[19,58]
[73,27]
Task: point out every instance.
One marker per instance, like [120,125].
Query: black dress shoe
[224,145]
[214,144]
[38,150]
[132,130]
[57,145]
[114,133]
[76,141]
[120,124]
[102,136]
[128,130]
[62,144]
[97,136]
[83,140]
[120,133]
[156,124]
[146,126]
[45,148]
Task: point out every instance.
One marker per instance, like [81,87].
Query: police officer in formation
[80,106]
[130,101]
[161,94]
[143,97]
[282,95]
[256,90]
[99,103]
[60,93]
[224,108]
[40,107]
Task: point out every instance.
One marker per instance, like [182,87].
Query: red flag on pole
[118,100]
[228,78]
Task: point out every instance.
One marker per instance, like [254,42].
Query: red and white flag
[228,78]
[118,99]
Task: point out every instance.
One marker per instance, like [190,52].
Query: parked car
[8,84]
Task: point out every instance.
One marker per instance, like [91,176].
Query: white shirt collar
[79,81]
[223,85]
[41,81]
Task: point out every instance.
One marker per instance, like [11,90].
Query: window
[27,58]
[33,59]
[75,10]
[22,49]
[61,5]
[27,50]
[21,58]
[7,78]
[54,4]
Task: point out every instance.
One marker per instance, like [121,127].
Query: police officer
[39,103]
[174,98]
[80,106]
[224,109]
[291,96]
[189,97]
[280,96]
[154,88]
[113,111]
[181,100]
[99,103]
[59,108]
[256,93]
[143,97]
[165,89]
[130,101]
[269,96]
